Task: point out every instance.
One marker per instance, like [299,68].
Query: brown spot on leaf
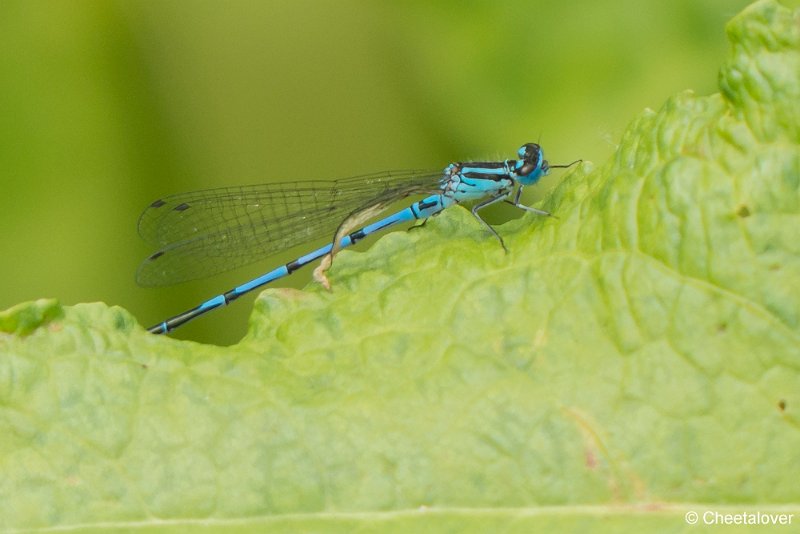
[591,459]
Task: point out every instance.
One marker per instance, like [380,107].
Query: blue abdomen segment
[430,206]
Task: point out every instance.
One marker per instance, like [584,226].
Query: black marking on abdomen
[423,206]
[156,255]
[158,203]
[181,207]
[357,236]
[292,266]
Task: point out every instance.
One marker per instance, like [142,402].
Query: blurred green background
[107,106]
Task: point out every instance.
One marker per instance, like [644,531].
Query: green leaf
[632,360]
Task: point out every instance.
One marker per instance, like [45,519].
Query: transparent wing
[207,232]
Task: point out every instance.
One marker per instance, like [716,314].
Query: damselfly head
[529,152]
[531,165]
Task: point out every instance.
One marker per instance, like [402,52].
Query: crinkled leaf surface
[630,361]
